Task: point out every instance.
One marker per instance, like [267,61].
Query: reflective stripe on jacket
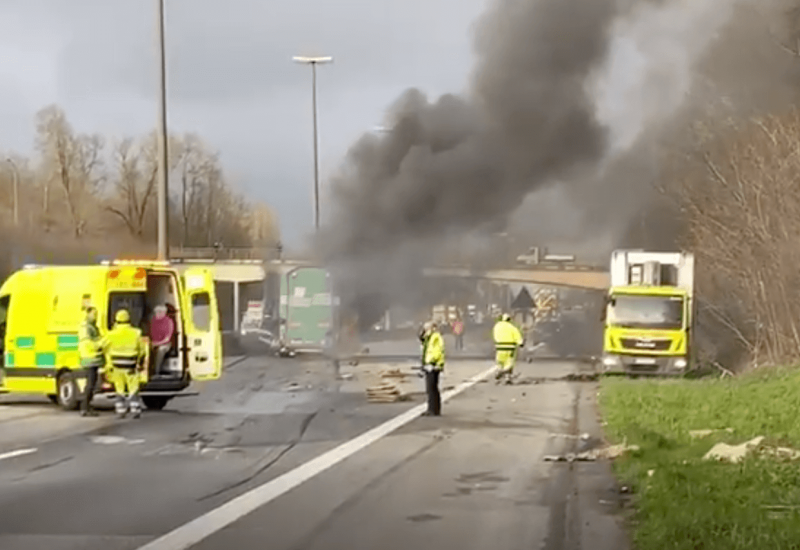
[125,347]
[90,344]
[507,337]
[434,350]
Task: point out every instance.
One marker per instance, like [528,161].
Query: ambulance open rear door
[203,337]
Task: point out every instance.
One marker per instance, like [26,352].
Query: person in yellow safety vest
[433,365]
[91,350]
[126,350]
[507,338]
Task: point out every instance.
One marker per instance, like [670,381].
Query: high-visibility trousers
[126,381]
[506,359]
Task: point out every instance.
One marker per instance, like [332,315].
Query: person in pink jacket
[162,329]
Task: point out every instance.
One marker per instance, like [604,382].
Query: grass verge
[683,502]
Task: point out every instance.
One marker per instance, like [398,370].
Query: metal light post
[15,172]
[163,154]
[314,61]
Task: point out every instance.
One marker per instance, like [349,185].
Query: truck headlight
[680,363]
[610,361]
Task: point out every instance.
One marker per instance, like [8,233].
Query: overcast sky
[231,77]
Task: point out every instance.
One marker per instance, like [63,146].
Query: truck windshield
[665,312]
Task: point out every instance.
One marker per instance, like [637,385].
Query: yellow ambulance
[42,307]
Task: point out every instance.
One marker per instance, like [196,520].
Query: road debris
[782,452]
[582,437]
[394,373]
[385,392]
[723,452]
[696,434]
[610,452]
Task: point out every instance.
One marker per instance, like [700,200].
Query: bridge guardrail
[223,253]
[523,267]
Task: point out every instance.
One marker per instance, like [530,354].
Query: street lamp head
[312,60]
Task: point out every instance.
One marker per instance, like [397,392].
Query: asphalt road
[473,478]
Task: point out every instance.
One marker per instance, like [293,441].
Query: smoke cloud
[567,103]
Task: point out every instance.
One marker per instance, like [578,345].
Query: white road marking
[189,534]
[15,454]
[114,440]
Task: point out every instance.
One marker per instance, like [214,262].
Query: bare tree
[74,162]
[98,209]
[738,191]
[134,183]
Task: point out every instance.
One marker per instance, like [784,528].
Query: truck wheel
[68,393]
[155,402]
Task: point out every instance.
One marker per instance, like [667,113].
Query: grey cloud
[221,51]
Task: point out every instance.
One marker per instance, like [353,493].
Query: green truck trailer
[308,310]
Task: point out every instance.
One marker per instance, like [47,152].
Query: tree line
[82,194]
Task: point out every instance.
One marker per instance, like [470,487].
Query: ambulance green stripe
[46,359]
[25,342]
[67,342]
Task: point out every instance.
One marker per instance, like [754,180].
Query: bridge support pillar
[236,316]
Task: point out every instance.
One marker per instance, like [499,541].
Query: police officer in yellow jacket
[433,365]
[126,352]
[91,349]
[507,338]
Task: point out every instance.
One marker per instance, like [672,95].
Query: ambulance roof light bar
[139,262]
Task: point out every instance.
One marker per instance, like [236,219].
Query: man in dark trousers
[91,349]
[433,365]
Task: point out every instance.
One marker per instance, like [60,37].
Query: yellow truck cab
[42,307]
[649,313]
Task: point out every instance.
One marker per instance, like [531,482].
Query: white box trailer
[639,267]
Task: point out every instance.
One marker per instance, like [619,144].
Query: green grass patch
[691,504]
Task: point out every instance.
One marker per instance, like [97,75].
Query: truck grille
[645,345]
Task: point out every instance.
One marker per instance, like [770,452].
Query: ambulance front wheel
[68,396]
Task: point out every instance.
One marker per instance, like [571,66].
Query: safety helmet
[122,316]
[505,317]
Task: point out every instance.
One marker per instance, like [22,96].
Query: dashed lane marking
[200,528]
[15,454]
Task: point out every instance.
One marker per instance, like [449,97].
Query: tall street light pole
[15,172]
[163,154]
[314,61]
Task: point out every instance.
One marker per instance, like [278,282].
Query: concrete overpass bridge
[577,277]
[248,268]
[248,265]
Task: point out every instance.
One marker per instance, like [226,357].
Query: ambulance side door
[201,322]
